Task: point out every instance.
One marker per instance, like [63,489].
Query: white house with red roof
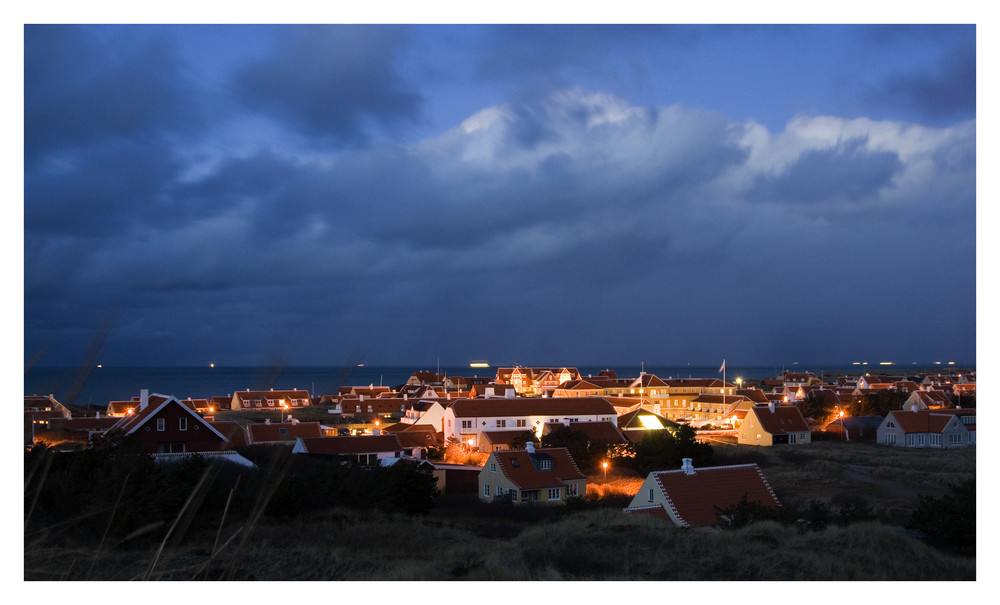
[466,419]
[928,428]
[692,497]
[543,476]
[271,399]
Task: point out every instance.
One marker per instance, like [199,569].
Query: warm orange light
[211,409]
[130,410]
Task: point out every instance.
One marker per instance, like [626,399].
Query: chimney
[530,446]
[686,466]
[770,405]
[143,398]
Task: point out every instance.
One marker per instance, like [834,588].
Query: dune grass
[462,539]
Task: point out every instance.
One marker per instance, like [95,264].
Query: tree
[660,450]
[948,522]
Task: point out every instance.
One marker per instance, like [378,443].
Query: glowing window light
[650,422]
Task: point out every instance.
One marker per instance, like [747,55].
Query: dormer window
[545,465]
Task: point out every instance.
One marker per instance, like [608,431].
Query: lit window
[501,424]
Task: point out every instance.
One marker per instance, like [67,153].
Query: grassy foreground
[461,539]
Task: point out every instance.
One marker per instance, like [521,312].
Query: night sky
[520,194]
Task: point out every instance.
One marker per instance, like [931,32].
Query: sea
[96,386]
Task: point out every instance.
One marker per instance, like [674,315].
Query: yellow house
[773,425]
[543,476]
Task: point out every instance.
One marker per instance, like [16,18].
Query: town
[537,437]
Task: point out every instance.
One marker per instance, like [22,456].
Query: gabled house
[929,428]
[545,476]
[363,449]
[642,420]
[692,497]
[772,425]
[492,390]
[927,400]
[73,434]
[39,411]
[878,382]
[416,439]
[275,400]
[535,381]
[165,425]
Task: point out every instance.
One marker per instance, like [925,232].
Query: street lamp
[605,465]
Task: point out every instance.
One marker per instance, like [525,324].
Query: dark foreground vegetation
[850,512]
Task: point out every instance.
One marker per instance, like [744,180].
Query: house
[275,400]
[692,497]
[272,433]
[878,382]
[39,411]
[493,389]
[535,380]
[456,478]
[854,428]
[772,425]
[73,434]
[797,379]
[164,425]
[546,476]
[495,441]
[927,400]
[677,400]
[424,412]
[596,432]
[466,419]
[362,449]
[641,420]
[416,439]
[929,428]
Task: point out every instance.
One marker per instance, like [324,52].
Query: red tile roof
[695,497]
[526,469]
[784,419]
[929,421]
[261,432]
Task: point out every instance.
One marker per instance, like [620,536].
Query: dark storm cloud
[84,85]
[944,91]
[548,221]
[332,81]
[100,191]
[848,172]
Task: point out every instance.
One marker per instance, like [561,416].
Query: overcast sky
[520,194]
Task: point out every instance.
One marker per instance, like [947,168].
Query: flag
[722,368]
